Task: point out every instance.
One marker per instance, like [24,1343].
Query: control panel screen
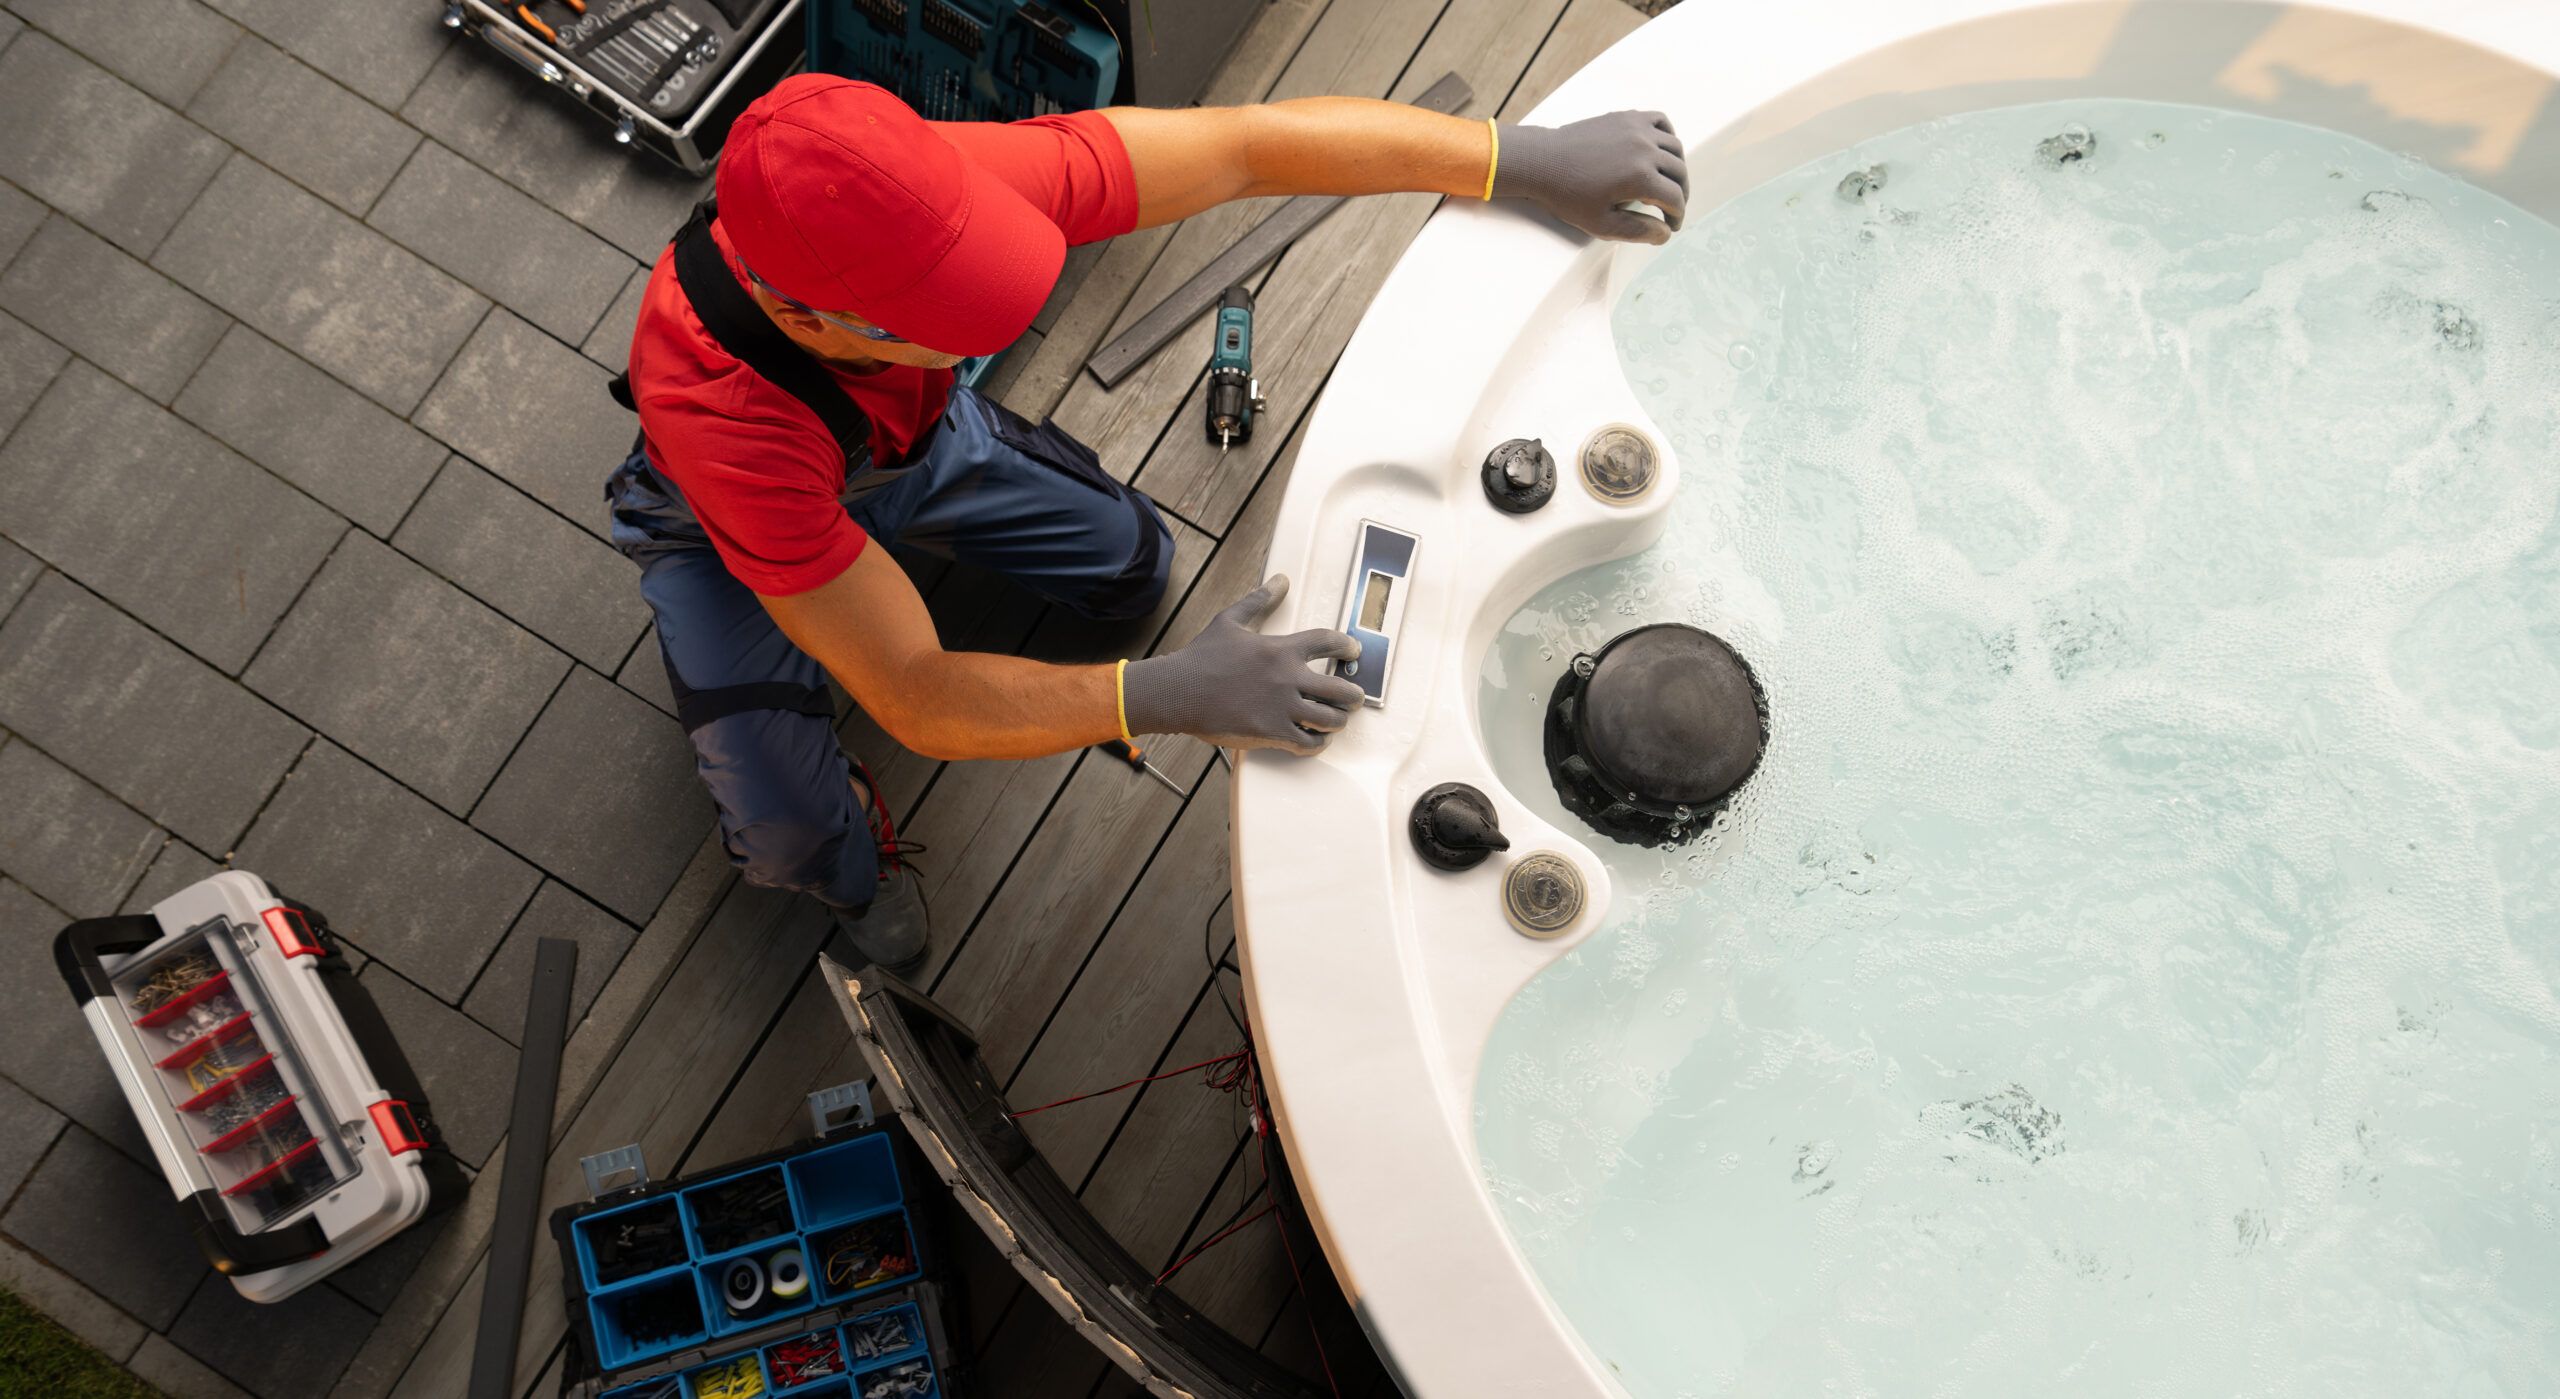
[1373,601]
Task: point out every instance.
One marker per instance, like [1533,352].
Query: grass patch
[39,1358]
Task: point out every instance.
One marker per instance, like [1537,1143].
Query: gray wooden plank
[452,1262]
[1584,29]
[1073,329]
[1353,50]
[1125,1003]
[734,980]
[1315,295]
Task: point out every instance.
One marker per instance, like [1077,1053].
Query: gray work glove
[1581,173]
[1237,688]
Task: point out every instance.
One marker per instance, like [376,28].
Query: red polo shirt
[758,468]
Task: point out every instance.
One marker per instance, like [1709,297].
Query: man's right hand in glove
[1237,688]
[1231,685]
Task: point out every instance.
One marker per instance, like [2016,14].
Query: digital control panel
[1373,605]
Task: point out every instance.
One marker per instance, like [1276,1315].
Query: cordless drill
[1234,395]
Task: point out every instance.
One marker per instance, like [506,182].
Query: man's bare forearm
[1187,160]
[871,631]
[989,706]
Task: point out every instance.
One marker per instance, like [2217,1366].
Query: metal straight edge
[513,1232]
[1268,239]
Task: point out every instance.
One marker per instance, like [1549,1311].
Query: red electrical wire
[1214,1240]
[1224,1082]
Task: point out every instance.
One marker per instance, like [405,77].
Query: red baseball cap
[838,195]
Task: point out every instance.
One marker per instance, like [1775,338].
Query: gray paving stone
[602,794]
[520,254]
[77,847]
[407,671]
[497,999]
[159,518]
[336,144]
[467,1072]
[536,412]
[109,1223]
[298,1346]
[311,430]
[18,570]
[380,50]
[126,318]
[27,1128]
[564,583]
[178,1375]
[507,122]
[19,216]
[645,673]
[85,142]
[409,884]
[46,1047]
[320,284]
[131,712]
[9,26]
[165,47]
[28,362]
[39,1284]
[609,344]
[176,866]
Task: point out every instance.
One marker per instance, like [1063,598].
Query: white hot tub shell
[1375,980]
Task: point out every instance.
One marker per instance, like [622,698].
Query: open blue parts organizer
[798,1274]
[286,1152]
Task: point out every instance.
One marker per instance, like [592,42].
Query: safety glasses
[867,332]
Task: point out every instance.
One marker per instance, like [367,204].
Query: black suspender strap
[743,329]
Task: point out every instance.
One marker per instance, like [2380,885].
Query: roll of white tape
[789,1271]
[742,1286]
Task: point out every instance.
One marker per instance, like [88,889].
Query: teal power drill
[1235,396]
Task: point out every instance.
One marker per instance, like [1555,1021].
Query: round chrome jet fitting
[1542,894]
[1620,464]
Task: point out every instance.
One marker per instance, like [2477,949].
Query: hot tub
[1376,980]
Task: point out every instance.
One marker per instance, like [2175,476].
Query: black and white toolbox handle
[224,1012]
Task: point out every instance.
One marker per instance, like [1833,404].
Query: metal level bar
[1131,348]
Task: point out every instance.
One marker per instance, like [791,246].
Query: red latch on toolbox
[293,932]
[399,1130]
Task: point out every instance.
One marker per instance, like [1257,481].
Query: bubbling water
[2135,968]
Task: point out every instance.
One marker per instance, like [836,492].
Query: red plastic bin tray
[163,1014]
[228,1083]
[249,1128]
[195,1049]
[264,1173]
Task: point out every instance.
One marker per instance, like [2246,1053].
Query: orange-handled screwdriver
[1136,757]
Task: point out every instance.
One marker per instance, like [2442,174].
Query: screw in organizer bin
[876,1336]
[899,1381]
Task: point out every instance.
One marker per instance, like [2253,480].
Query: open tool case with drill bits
[801,1273]
[280,1110]
[668,75]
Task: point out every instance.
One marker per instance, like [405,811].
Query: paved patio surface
[306,313]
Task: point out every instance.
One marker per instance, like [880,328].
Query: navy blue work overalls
[984,487]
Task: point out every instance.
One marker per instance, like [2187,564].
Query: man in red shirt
[792,369]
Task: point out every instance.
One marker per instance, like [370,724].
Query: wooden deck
[1077,905]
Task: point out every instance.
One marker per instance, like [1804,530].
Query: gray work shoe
[894,933]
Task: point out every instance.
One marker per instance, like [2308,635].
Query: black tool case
[281,1112]
[648,1272]
[668,76]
